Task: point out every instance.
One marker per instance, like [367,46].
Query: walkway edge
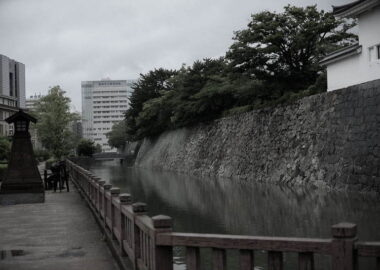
[121,260]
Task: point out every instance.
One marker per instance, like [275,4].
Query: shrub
[41,155]
[3,171]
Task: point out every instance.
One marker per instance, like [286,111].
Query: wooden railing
[149,241]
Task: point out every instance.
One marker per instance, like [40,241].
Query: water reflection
[236,207]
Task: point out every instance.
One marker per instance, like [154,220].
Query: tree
[117,136]
[86,147]
[149,86]
[5,148]
[54,116]
[274,60]
[200,92]
[98,148]
[283,49]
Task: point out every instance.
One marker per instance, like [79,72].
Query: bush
[41,155]
[86,148]
[5,148]
[3,171]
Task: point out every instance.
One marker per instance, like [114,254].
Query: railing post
[138,209]
[45,179]
[306,261]
[163,255]
[106,188]
[100,197]
[91,183]
[125,199]
[89,177]
[96,191]
[114,193]
[342,246]
[247,259]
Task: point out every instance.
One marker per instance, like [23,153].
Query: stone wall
[327,140]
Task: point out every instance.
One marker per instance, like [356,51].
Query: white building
[12,91]
[31,101]
[103,104]
[360,62]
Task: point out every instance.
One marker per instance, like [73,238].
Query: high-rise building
[103,104]
[12,91]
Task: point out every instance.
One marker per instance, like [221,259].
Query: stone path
[58,234]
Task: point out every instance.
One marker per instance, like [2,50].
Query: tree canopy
[54,116]
[285,48]
[86,147]
[117,136]
[275,59]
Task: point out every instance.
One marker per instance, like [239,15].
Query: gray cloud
[66,42]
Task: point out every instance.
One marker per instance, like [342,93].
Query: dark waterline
[236,207]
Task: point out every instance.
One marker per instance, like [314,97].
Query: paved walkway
[58,234]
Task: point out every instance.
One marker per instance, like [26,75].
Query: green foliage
[3,171]
[117,136]
[54,116]
[5,148]
[41,154]
[148,87]
[284,48]
[86,147]
[98,148]
[273,61]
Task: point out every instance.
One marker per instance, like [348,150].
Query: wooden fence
[149,241]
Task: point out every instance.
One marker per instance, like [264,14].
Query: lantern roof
[20,115]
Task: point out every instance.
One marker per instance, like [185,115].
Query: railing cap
[344,230]
[139,207]
[125,198]
[162,221]
[107,186]
[102,182]
[115,190]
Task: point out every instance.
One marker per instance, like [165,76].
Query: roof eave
[357,9]
[341,54]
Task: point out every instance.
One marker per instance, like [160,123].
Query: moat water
[225,206]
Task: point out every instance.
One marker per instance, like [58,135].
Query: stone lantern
[23,182]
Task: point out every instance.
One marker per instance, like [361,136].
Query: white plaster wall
[344,73]
[358,69]
[369,27]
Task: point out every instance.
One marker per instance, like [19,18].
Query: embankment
[327,140]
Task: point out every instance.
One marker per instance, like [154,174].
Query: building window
[374,53]
[371,51]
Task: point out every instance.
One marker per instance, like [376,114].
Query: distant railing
[149,241]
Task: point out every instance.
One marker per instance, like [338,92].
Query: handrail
[148,241]
[368,249]
[284,244]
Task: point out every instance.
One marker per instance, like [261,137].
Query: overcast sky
[64,42]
